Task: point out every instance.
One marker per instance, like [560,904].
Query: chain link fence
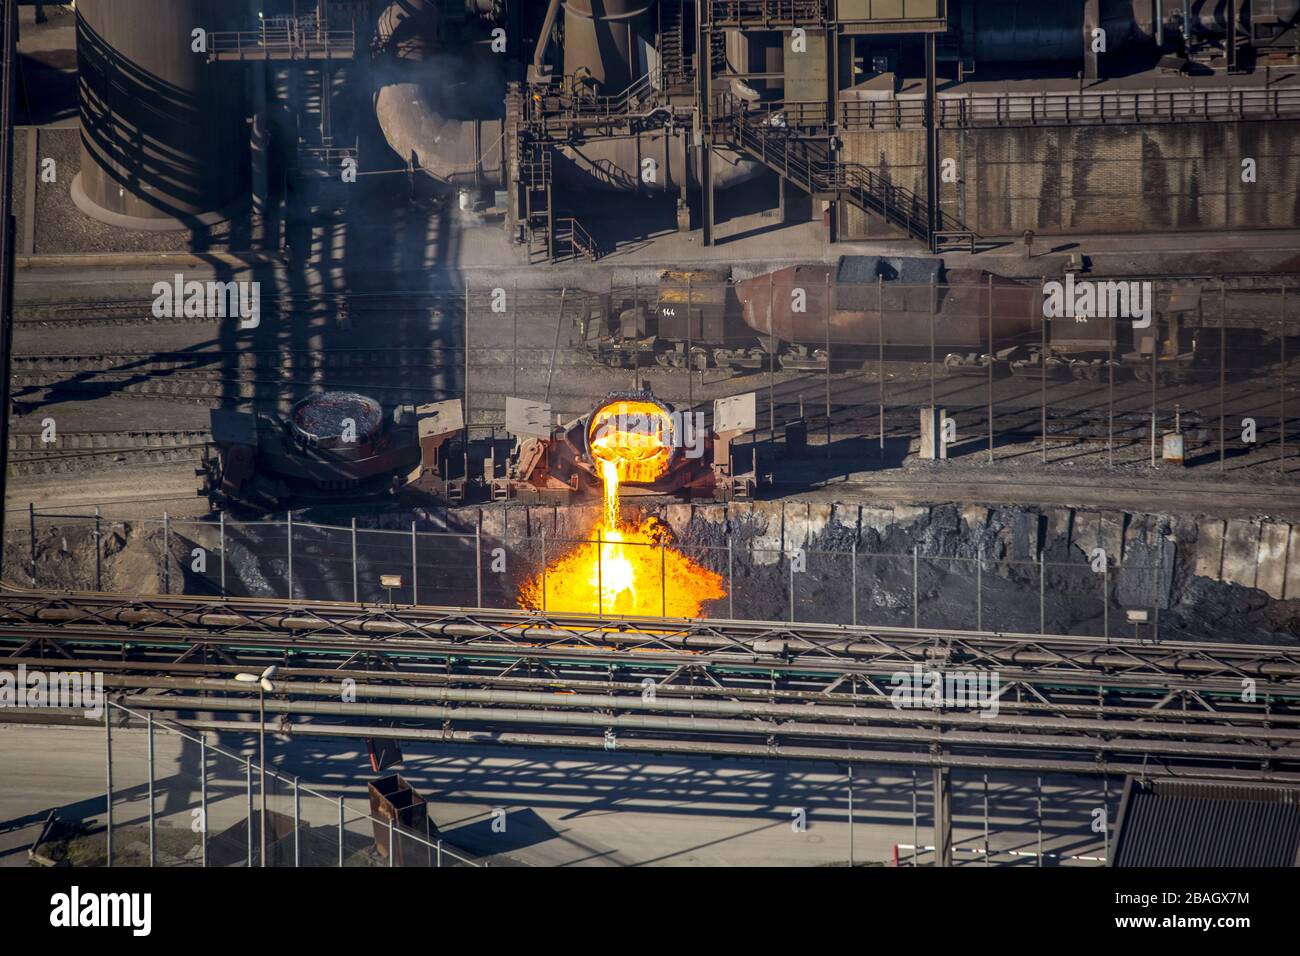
[299,560]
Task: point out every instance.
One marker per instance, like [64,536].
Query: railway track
[71,452]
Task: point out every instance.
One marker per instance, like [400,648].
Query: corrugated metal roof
[1203,823]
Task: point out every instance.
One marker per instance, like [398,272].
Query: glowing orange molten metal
[633,570]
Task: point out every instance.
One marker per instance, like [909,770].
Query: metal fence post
[916,593]
[1105,803]
[543,570]
[342,831]
[97,550]
[392,846]
[31,538]
[297,824]
[166,555]
[1042,368]
[415,580]
[152,828]
[880,368]
[986,821]
[731,578]
[1040,822]
[916,848]
[203,799]
[1042,593]
[108,764]
[1223,373]
[600,575]
[992,355]
[1160,568]
[289,538]
[791,562]
[478,560]
[440,853]
[222,525]
[979,589]
[248,789]
[854,581]
[663,580]
[1281,390]
[1105,599]
[356,594]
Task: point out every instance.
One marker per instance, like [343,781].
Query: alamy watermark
[626,429]
[957,689]
[208,300]
[1086,299]
[70,690]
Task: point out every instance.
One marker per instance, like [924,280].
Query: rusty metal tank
[842,304]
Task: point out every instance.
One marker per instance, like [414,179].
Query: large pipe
[609,39]
[440,109]
[1009,31]
[544,37]
[163,140]
[874,710]
[697,725]
[1093,764]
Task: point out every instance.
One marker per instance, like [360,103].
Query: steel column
[942,817]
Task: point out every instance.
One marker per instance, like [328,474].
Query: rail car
[807,317]
[331,445]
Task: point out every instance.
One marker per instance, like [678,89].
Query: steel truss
[802,691]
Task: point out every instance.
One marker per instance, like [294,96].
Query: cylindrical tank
[607,38]
[440,104]
[1012,31]
[163,139]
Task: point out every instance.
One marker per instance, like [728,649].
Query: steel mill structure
[736,432]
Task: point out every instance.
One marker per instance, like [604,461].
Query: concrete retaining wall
[1097,179]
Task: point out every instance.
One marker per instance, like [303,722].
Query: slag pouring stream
[629,441]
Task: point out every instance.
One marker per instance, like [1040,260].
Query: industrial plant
[485,433]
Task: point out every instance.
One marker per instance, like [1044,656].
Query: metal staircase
[538,220]
[808,162]
[676,67]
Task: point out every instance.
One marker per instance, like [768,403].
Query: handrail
[766,12]
[810,164]
[580,242]
[1117,106]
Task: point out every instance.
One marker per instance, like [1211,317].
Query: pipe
[544,38]
[438,110]
[693,725]
[762,752]
[837,639]
[613,702]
